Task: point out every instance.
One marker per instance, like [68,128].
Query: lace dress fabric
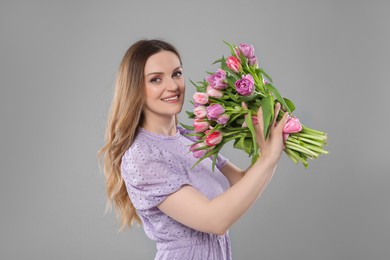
[156,166]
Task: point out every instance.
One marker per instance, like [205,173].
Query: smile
[171,99]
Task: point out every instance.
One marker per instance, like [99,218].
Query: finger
[243,104]
[276,113]
[260,119]
[283,121]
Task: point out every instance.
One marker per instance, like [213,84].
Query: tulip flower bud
[201,98]
[200,125]
[292,126]
[200,111]
[217,80]
[214,111]
[234,64]
[223,119]
[198,153]
[245,86]
[214,138]
[212,92]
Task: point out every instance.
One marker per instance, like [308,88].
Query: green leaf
[290,104]
[244,143]
[213,152]
[265,74]
[249,123]
[277,95]
[230,46]
[188,127]
[239,121]
[244,61]
[248,144]
[190,114]
[231,81]
[217,61]
[231,74]
[201,89]
[246,99]
[223,63]
[267,105]
[239,143]
[193,83]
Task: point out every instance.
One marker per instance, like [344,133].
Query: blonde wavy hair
[124,119]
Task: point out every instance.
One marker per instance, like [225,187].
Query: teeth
[171,99]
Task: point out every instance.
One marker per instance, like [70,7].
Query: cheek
[182,85]
[152,92]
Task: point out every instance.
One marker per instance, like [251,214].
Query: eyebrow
[152,73]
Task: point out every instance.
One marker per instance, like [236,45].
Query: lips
[171,98]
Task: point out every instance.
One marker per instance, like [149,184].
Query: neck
[159,125]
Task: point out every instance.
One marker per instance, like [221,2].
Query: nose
[172,85]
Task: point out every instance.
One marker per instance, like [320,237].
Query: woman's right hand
[273,146]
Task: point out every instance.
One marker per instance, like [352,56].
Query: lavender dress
[156,166]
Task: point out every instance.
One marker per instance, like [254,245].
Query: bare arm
[191,208]
[232,173]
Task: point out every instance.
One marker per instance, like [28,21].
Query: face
[164,85]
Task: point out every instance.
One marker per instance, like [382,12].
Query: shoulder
[142,150]
[146,155]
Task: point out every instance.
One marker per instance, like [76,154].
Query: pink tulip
[214,138]
[292,126]
[252,60]
[200,111]
[248,51]
[200,125]
[234,64]
[212,92]
[245,86]
[201,98]
[217,80]
[214,111]
[198,153]
[265,80]
[223,119]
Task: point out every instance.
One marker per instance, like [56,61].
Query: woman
[148,168]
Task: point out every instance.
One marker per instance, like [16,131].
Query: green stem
[297,157]
[310,136]
[306,129]
[243,131]
[306,140]
[295,160]
[315,148]
[302,149]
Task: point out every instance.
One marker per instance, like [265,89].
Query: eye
[155,80]
[177,74]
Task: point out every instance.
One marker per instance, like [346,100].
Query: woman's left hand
[273,145]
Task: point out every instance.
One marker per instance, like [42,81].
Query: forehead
[162,61]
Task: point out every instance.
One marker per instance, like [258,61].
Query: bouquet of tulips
[225,107]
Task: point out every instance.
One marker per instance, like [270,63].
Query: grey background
[57,65]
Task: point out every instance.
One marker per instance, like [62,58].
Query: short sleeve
[151,175]
[221,161]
